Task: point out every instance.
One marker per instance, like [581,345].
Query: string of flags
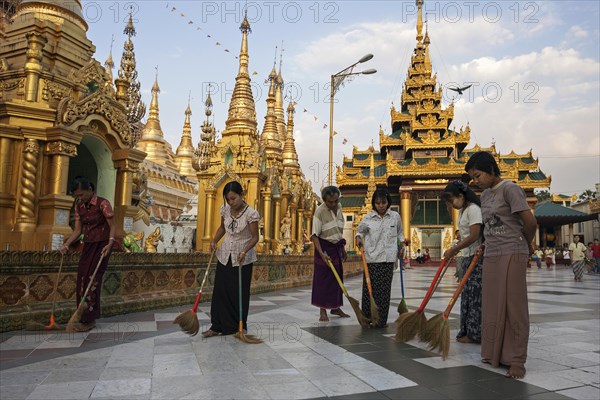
[190,21]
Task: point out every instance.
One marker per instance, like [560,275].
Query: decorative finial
[156,77]
[112,41]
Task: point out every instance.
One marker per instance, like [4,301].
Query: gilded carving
[152,241]
[415,243]
[62,148]
[70,111]
[28,178]
[55,91]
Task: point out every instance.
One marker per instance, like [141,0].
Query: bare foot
[340,313]
[516,372]
[210,333]
[323,316]
[486,361]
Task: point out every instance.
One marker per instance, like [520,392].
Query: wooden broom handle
[431,287]
[337,277]
[195,307]
[463,282]
[366,268]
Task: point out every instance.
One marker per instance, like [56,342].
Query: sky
[534,66]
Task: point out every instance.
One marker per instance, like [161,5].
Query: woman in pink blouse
[94,218]
[240,222]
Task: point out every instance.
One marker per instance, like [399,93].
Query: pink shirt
[92,216]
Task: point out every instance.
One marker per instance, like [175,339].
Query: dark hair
[484,162]
[234,187]
[381,194]
[329,191]
[458,187]
[81,183]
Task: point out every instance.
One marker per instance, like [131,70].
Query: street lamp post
[336,82]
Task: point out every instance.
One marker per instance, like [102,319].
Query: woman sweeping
[379,233]
[509,227]
[458,195]
[94,218]
[239,226]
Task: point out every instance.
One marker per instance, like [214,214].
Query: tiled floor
[145,356]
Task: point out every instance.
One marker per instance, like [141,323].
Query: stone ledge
[133,282]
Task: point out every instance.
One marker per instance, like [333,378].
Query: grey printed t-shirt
[503,228]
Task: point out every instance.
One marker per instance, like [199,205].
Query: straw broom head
[430,329]
[374,312]
[188,322]
[402,308]
[408,325]
[250,339]
[75,317]
[445,340]
[362,320]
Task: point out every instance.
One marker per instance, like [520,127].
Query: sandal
[210,333]
[82,327]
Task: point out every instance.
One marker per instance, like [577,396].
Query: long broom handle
[337,277]
[463,282]
[83,298]
[195,307]
[62,257]
[240,298]
[366,268]
[431,287]
[401,277]
[441,277]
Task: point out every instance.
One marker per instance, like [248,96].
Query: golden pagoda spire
[57,11]
[185,150]
[290,156]
[241,119]
[207,139]
[136,109]
[152,140]
[109,65]
[420,20]
[270,136]
[279,101]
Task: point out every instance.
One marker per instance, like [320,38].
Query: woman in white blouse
[379,233]
[239,226]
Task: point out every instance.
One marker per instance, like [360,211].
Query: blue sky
[535,67]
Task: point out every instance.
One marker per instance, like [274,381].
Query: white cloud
[578,32]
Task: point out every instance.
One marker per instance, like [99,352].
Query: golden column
[33,66]
[276,231]
[208,215]
[405,213]
[8,180]
[299,228]
[268,219]
[293,214]
[26,220]
[55,205]
[454,220]
[127,162]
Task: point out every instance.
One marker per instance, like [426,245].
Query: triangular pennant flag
[182,15]
[190,23]
[218,44]
[227,50]
[324,126]
[315,117]
[173,9]
[334,133]
[343,141]
[305,110]
[207,35]
[254,73]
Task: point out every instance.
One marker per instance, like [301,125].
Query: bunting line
[190,21]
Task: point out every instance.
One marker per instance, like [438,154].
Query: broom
[79,311]
[240,333]
[188,321]
[438,326]
[409,324]
[402,308]
[36,326]
[362,320]
[374,309]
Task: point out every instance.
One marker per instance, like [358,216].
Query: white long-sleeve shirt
[380,236]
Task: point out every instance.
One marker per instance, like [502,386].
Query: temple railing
[133,282]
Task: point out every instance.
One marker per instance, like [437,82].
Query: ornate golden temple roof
[422,145]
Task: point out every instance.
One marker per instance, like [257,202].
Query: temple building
[265,163]
[420,157]
[62,115]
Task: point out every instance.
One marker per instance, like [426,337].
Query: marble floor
[146,356]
